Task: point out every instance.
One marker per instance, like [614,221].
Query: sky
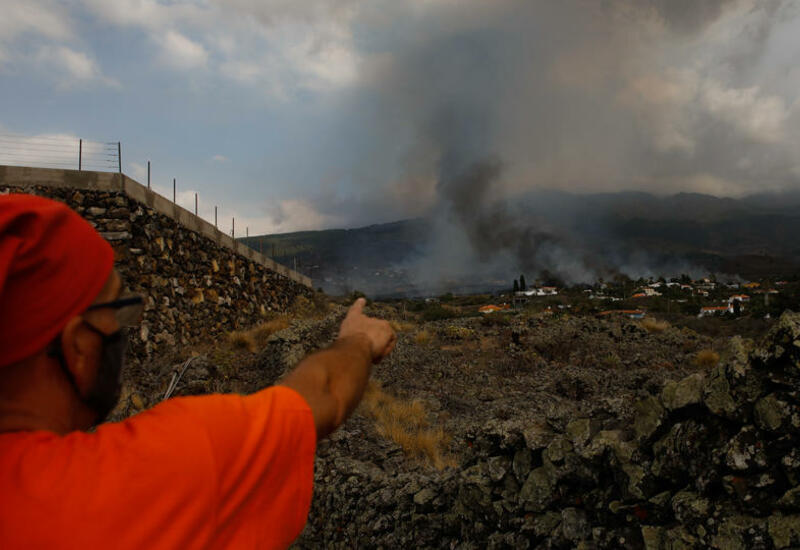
[339,113]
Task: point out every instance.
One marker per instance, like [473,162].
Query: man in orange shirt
[216,471]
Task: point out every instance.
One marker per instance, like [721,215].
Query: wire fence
[71,153]
[59,151]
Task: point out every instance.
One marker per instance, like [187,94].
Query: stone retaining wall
[712,461]
[197,287]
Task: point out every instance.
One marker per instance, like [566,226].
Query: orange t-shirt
[217,471]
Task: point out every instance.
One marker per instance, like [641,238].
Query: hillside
[535,430]
[634,233]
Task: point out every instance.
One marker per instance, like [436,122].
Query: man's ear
[78,349]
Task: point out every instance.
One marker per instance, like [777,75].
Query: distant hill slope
[750,237]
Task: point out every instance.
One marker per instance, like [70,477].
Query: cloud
[293,215]
[145,13]
[758,116]
[38,17]
[282,48]
[181,52]
[71,68]
[220,158]
[50,25]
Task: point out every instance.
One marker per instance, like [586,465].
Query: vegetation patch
[706,358]
[422,337]
[653,325]
[402,326]
[436,312]
[256,338]
[406,423]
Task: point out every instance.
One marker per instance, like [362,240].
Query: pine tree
[516,286]
[522,285]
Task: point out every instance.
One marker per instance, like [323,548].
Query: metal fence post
[215,216]
[119,156]
[233,228]
[80,154]
[195,204]
[247,232]
[174,191]
[148,174]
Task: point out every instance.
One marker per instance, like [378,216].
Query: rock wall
[712,461]
[196,289]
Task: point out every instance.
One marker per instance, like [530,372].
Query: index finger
[358,305]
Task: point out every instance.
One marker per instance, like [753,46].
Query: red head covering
[53,265]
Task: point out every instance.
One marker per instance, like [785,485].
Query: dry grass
[406,423]
[423,337]
[242,339]
[402,326]
[255,338]
[706,358]
[651,324]
[315,307]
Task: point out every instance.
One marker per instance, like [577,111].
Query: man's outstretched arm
[332,381]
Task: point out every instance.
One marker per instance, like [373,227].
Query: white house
[743,298]
[715,310]
[543,291]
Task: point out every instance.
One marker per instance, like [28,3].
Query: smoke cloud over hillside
[658,96]
[463,107]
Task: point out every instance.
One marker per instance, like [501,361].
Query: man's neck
[23,421]
[38,396]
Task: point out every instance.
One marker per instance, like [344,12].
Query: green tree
[516,286]
[522,285]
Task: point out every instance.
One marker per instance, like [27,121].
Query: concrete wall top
[19,176]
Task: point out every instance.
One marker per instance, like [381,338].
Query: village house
[542,291]
[493,308]
[743,298]
[715,310]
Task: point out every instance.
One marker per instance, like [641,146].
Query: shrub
[242,340]
[266,329]
[422,337]
[435,312]
[706,358]
[651,324]
[458,333]
[402,326]
[406,423]
[495,320]
[255,338]
[316,306]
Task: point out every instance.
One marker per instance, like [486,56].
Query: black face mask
[105,391]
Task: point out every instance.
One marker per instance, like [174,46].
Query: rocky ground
[558,432]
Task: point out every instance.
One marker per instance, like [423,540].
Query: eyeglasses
[127,308]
